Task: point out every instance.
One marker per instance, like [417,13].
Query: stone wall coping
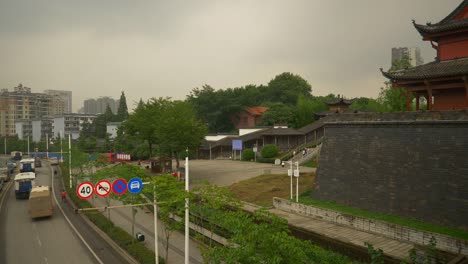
[413,235]
[398,122]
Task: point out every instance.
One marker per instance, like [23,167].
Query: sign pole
[292,172]
[187,210]
[297,183]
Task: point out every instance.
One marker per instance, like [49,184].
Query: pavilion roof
[435,69]
[338,101]
[452,22]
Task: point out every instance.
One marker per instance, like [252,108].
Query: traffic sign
[103,188]
[119,186]
[85,190]
[134,185]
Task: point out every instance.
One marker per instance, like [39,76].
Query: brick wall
[398,232]
[415,166]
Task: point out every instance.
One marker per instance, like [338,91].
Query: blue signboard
[134,185]
[237,144]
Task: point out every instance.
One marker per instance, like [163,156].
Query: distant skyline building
[413,53]
[21,105]
[99,105]
[70,124]
[65,98]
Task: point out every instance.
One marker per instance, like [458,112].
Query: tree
[393,98]
[142,124]
[286,87]
[170,195]
[364,103]
[278,113]
[122,113]
[306,108]
[179,128]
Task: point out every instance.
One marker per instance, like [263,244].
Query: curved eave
[452,27]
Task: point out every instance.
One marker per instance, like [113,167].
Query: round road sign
[119,186]
[103,188]
[84,190]
[134,185]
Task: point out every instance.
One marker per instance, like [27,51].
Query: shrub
[269,151]
[248,154]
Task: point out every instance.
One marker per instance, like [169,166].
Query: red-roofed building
[249,117]
[443,82]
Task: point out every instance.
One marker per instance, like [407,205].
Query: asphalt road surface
[63,238]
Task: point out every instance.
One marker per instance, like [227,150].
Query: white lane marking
[37,235]
[72,226]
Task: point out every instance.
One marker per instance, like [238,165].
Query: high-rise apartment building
[99,105]
[62,97]
[22,105]
[70,124]
[413,53]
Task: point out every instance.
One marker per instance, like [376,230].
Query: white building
[111,129]
[70,124]
[23,129]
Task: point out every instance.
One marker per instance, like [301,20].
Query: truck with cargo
[4,174]
[27,165]
[23,184]
[40,202]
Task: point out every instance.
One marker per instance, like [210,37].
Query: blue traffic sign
[119,186]
[135,185]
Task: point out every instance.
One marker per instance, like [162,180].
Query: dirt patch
[261,190]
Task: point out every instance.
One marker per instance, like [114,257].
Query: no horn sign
[103,188]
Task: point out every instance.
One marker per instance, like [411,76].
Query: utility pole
[187,222]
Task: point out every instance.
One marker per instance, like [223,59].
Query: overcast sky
[167,48]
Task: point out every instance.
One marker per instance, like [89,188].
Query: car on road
[53,161]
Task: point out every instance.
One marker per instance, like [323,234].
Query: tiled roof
[446,68]
[438,28]
[256,110]
[282,132]
[450,22]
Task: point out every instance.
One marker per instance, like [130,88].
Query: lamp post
[69,160]
[187,222]
[5,145]
[47,144]
[61,148]
[156,240]
[290,174]
[28,146]
[296,174]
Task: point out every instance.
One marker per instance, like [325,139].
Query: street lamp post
[187,222]
[69,159]
[61,148]
[156,240]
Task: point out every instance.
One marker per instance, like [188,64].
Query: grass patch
[311,163]
[305,198]
[261,190]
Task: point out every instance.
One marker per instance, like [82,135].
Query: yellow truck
[40,202]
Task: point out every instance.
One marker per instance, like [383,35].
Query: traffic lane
[47,240]
[105,252]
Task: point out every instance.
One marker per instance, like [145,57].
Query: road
[49,240]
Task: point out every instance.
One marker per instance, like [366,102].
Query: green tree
[179,128]
[286,87]
[393,98]
[364,103]
[122,113]
[306,108]
[142,125]
[170,196]
[278,113]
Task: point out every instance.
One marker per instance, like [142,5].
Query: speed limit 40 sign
[85,190]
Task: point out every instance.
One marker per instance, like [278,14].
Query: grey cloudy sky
[167,48]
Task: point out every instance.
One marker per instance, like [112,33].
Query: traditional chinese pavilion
[340,104]
[443,82]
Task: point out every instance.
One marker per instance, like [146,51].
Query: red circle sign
[84,190]
[103,188]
